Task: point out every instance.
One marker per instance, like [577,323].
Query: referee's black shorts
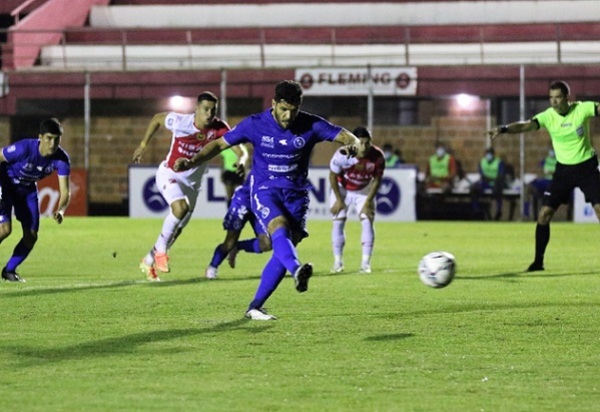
[583,175]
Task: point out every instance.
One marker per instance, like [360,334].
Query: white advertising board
[582,212]
[354,81]
[395,200]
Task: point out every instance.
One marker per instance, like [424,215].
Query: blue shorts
[24,200]
[270,203]
[240,212]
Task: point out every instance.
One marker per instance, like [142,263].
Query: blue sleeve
[326,130]
[238,134]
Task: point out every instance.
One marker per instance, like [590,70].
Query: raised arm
[157,120]
[516,127]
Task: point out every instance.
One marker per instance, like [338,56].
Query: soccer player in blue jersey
[238,214]
[283,138]
[22,164]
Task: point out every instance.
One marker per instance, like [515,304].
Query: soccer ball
[437,269]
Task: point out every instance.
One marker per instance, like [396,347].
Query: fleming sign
[385,81]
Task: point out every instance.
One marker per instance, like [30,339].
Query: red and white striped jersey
[188,139]
[356,173]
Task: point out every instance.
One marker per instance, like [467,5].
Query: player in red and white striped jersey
[191,132]
[354,184]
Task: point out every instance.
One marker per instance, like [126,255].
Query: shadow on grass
[126,344]
[21,292]
[524,275]
[389,336]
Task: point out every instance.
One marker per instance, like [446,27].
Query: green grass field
[87,332]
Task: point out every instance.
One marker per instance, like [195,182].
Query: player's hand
[492,134]
[59,217]
[351,151]
[337,207]
[368,210]
[137,155]
[182,164]
[240,170]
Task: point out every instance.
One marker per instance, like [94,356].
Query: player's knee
[180,208]
[5,231]
[545,215]
[264,242]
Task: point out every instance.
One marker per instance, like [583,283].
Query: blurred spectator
[492,176]
[441,170]
[393,158]
[535,190]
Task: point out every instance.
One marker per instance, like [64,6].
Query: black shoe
[11,276]
[535,267]
[303,273]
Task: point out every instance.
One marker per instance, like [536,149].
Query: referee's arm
[516,127]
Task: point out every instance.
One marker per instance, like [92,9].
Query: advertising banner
[395,200]
[354,81]
[48,194]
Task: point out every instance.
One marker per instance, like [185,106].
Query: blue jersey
[281,156]
[25,164]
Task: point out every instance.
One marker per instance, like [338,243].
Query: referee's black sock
[542,237]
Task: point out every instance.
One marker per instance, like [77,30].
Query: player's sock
[272,275]
[179,229]
[20,253]
[249,245]
[149,258]
[284,250]
[542,237]
[338,237]
[367,238]
[169,228]
[219,256]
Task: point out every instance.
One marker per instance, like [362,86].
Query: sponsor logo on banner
[49,194]
[388,196]
[384,81]
[152,197]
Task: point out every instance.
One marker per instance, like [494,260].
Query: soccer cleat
[150,272]
[535,267]
[11,276]
[259,314]
[338,267]
[301,277]
[365,268]
[231,257]
[161,262]
[210,272]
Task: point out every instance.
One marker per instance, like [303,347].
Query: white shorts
[354,200]
[175,186]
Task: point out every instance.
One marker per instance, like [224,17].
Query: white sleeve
[336,163]
[172,120]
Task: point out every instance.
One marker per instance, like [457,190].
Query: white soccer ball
[437,269]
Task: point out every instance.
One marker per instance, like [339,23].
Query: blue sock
[218,256]
[19,255]
[284,250]
[272,275]
[249,245]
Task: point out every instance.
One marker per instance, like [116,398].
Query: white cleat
[337,268]
[210,272]
[365,268]
[259,314]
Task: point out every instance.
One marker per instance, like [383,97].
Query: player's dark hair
[209,96]
[562,86]
[362,131]
[289,91]
[51,126]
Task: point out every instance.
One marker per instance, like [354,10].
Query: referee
[577,164]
